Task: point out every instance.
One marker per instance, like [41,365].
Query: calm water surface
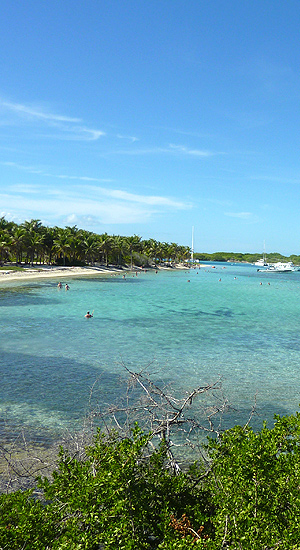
[189,333]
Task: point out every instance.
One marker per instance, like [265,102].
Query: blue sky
[151,117]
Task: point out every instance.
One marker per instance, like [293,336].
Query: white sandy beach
[59,272]
[55,272]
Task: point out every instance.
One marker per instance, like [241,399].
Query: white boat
[280,267]
[263,261]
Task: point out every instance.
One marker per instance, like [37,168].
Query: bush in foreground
[123,495]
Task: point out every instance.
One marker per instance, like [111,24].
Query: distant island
[247,257]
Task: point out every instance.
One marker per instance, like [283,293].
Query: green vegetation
[33,243]
[249,258]
[124,494]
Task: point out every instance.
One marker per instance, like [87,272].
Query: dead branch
[179,421]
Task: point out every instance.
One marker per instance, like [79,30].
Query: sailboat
[263,261]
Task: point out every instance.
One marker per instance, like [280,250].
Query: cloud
[184,132]
[275,179]
[37,114]
[240,215]
[218,202]
[76,133]
[107,206]
[171,149]
[81,178]
[31,169]
[66,128]
[137,206]
[194,152]
[27,189]
[41,172]
[146,199]
[130,138]
[105,211]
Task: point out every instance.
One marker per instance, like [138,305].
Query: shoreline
[59,272]
[56,272]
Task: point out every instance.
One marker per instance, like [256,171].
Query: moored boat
[280,267]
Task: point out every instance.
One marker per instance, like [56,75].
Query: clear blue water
[188,332]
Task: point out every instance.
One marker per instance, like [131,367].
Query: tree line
[247,257]
[32,242]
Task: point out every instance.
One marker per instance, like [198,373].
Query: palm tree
[6,225]
[18,238]
[33,237]
[173,251]
[50,234]
[76,241]
[120,246]
[78,244]
[62,244]
[151,248]
[134,245]
[5,244]
[34,241]
[105,244]
[90,246]
[184,252]
[32,226]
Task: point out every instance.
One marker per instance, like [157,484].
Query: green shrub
[255,486]
[122,495]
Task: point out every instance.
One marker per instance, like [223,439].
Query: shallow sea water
[189,333]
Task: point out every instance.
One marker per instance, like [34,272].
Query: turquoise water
[189,333]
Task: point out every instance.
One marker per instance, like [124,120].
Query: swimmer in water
[67,287]
[59,285]
[88,315]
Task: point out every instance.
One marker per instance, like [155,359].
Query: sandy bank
[56,272]
[60,272]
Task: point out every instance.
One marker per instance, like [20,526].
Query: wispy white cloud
[185,132]
[66,128]
[219,202]
[186,151]
[30,169]
[80,178]
[130,138]
[75,133]
[171,149]
[249,216]
[107,206]
[37,113]
[27,189]
[98,192]
[81,221]
[41,172]
[146,199]
[275,179]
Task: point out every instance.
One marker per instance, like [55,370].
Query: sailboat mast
[192,254]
